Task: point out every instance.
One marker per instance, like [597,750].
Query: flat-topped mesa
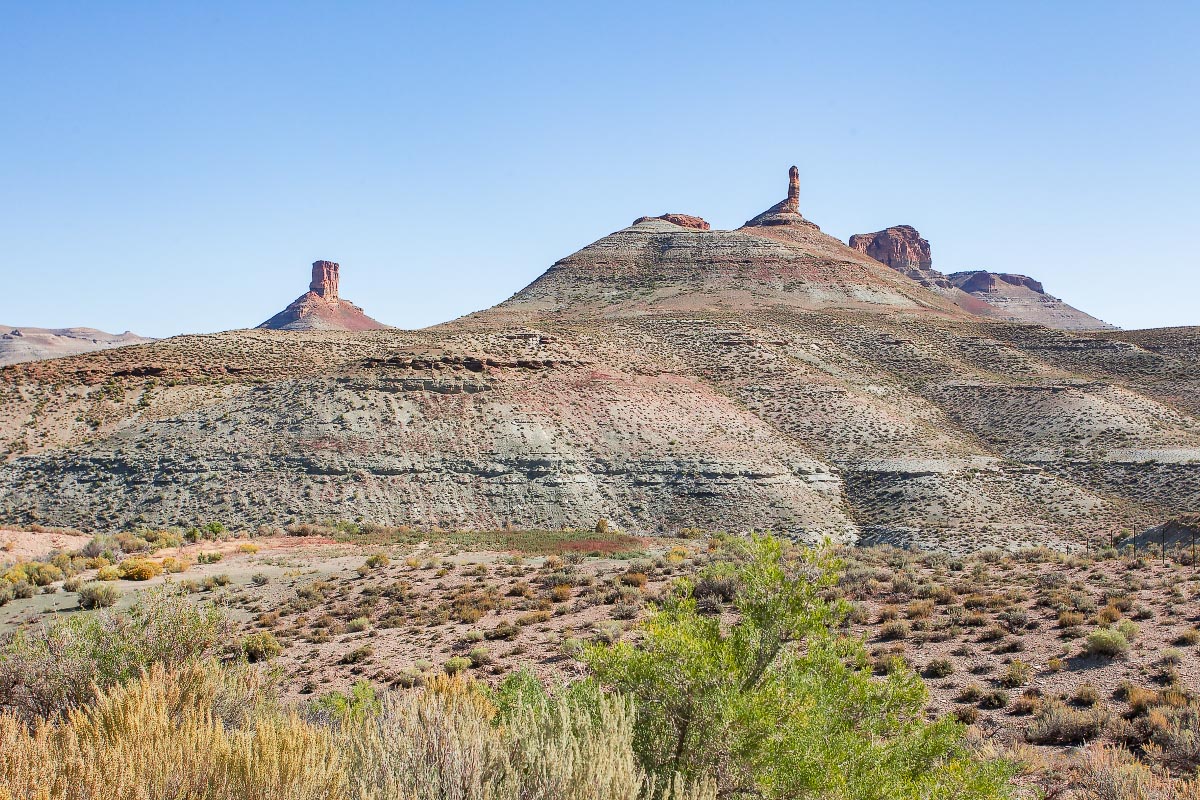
[786,211]
[682,220]
[325,279]
[903,249]
[1020,298]
[976,281]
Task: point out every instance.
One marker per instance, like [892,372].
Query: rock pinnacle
[793,196]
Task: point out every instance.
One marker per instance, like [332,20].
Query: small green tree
[775,705]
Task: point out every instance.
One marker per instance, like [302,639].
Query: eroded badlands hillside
[664,377]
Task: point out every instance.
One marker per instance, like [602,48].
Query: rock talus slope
[664,377]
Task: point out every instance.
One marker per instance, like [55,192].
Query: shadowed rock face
[978,281]
[320,308]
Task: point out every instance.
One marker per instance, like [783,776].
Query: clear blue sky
[175,167]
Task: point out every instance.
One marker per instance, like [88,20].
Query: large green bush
[775,705]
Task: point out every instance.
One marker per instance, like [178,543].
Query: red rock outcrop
[899,246]
[325,279]
[682,220]
[321,309]
[902,248]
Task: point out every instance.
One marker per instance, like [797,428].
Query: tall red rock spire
[325,279]
[793,196]
[787,211]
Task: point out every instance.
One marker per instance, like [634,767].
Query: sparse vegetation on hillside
[215,730]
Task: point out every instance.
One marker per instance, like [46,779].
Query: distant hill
[18,344]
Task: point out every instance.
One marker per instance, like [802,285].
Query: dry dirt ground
[998,636]
[965,623]
[27,545]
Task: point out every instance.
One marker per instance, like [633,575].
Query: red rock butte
[321,309]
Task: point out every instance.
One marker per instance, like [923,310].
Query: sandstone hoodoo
[321,309]
[787,210]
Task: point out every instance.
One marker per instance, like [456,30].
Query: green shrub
[1017,673]
[47,668]
[261,646]
[456,664]
[377,560]
[72,584]
[362,701]
[939,668]
[6,592]
[993,699]
[1057,723]
[1106,642]
[896,629]
[774,720]
[23,590]
[357,655]
[1086,695]
[98,595]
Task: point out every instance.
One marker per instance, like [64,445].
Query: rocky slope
[19,344]
[320,308]
[663,377]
